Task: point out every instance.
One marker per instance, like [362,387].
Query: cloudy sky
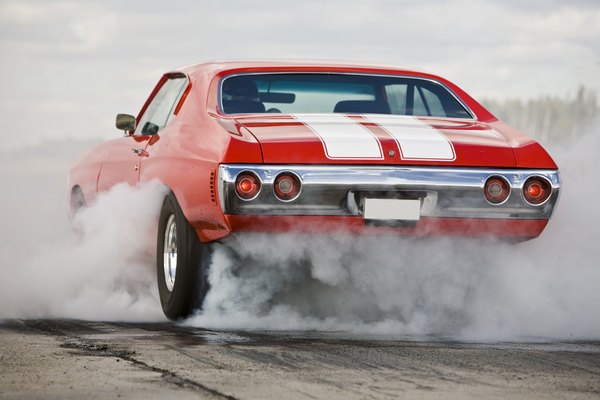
[67,67]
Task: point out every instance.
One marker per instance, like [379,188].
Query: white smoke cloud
[545,288]
[461,288]
[47,270]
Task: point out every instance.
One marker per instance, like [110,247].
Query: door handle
[140,152]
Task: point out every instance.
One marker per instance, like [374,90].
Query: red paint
[476,144]
[356,225]
[190,148]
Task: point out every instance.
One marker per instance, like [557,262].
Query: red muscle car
[278,146]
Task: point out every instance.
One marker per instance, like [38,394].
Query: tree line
[549,118]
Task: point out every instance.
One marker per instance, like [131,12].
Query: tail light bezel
[257,181]
[541,178]
[298,183]
[505,185]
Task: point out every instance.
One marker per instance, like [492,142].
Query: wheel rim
[170,253]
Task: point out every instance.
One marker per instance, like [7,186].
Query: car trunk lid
[377,139]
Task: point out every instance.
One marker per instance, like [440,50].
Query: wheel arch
[198,208]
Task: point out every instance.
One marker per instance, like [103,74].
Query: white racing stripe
[416,139]
[342,138]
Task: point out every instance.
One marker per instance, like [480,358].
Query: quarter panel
[528,152]
[84,173]
[185,158]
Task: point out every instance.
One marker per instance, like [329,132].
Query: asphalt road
[67,359]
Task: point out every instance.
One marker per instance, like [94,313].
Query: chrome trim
[170,253]
[335,190]
[221,190]
[523,193]
[462,103]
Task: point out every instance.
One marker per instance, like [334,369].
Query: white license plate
[392,209]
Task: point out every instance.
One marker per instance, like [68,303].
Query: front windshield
[338,93]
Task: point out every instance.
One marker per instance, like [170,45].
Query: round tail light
[536,190]
[496,190]
[287,186]
[247,185]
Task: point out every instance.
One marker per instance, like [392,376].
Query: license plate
[392,209]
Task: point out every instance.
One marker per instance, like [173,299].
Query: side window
[434,103]
[440,103]
[160,110]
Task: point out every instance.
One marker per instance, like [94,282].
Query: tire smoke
[105,272]
[459,288]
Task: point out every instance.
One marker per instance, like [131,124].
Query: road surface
[66,359]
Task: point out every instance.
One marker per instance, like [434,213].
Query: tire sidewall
[192,263]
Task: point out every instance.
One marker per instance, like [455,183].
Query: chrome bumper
[339,190]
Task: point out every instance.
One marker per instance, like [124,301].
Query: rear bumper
[521,229]
[339,191]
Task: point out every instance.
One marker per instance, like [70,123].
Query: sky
[68,67]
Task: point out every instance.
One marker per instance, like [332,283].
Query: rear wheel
[76,204]
[182,262]
[77,201]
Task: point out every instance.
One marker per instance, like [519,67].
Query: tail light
[536,190]
[496,190]
[287,186]
[247,185]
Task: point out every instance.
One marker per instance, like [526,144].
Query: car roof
[219,66]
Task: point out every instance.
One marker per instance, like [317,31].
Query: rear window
[338,93]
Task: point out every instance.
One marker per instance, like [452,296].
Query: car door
[124,156]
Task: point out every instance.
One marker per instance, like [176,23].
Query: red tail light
[287,186]
[536,190]
[496,190]
[247,185]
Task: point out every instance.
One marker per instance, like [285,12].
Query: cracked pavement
[64,359]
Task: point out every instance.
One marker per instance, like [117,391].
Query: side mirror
[125,122]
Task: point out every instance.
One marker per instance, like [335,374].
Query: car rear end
[367,161]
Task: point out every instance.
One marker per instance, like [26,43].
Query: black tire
[76,204]
[188,284]
[77,201]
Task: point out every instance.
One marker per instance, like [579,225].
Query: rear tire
[182,263]
[77,201]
